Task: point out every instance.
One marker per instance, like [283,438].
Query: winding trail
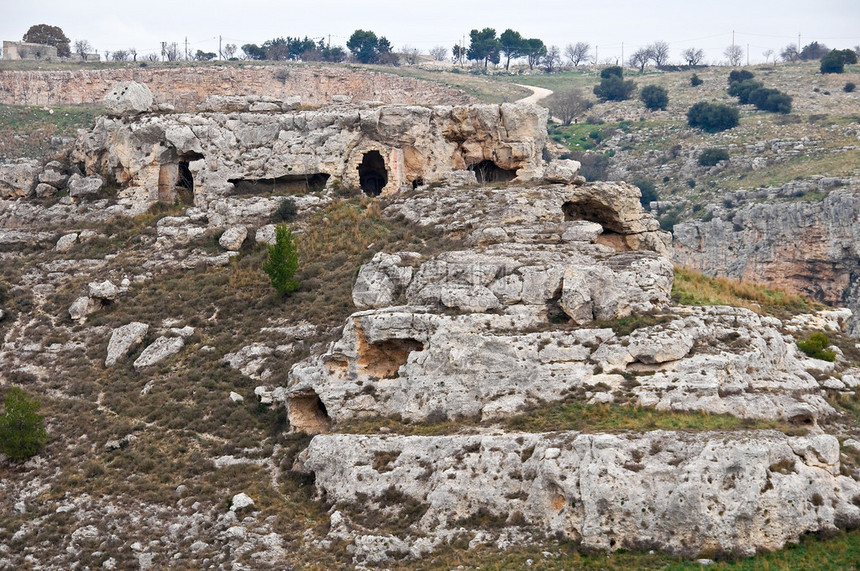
[538,93]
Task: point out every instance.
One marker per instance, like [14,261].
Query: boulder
[53,178]
[45,190]
[265,235]
[563,171]
[123,340]
[380,281]
[233,238]
[18,179]
[241,501]
[84,186]
[128,98]
[159,350]
[82,307]
[105,291]
[65,243]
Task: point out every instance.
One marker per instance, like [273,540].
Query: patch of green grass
[572,416]
[695,288]
[612,417]
[28,131]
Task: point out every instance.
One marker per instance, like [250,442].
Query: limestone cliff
[805,246]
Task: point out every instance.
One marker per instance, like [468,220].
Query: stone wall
[184,87]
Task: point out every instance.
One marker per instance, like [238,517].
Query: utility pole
[748,55]
[595,55]
[798,43]
[732,58]
[186,48]
[622,54]
[163,50]
[219,48]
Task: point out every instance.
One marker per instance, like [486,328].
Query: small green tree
[614,88]
[695,81]
[22,430]
[654,97]
[283,261]
[712,117]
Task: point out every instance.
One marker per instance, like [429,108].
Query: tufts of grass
[695,288]
[573,416]
[28,131]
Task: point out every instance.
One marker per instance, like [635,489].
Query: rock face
[377,148]
[685,493]
[128,98]
[807,247]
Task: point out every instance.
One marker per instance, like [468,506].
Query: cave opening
[595,211]
[490,172]
[287,184]
[308,413]
[372,176]
[384,358]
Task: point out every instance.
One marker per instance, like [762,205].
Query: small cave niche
[594,211]
[490,172]
[383,359]
[417,182]
[555,313]
[287,184]
[308,413]
[372,176]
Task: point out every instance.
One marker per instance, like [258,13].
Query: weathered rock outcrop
[807,247]
[128,98]
[685,493]
[377,148]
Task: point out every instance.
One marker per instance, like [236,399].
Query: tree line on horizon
[485,47]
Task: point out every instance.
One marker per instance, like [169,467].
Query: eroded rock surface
[685,493]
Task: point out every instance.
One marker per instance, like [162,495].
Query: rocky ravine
[161,455]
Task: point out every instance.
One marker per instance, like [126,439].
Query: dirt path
[538,93]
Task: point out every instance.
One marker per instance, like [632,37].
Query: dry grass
[695,288]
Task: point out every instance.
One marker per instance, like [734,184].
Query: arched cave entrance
[488,172]
[595,211]
[308,413]
[372,176]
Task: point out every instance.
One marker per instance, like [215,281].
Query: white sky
[143,24]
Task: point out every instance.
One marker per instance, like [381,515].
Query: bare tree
[693,56]
[767,53]
[133,53]
[552,59]
[152,57]
[578,53]
[735,54]
[410,54]
[120,55]
[82,48]
[439,53]
[107,55]
[789,53]
[171,52]
[640,58]
[229,50]
[568,104]
[659,52]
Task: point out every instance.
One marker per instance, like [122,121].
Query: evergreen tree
[22,430]
[283,261]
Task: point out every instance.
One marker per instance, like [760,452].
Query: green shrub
[649,193]
[771,100]
[695,81]
[712,117]
[612,71]
[816,347]
[834,61]
[283,261]
[742,89]
[738,75]
[286,211]
[614,88]
[22,430]
[710,157]
[654,97]
[849,87]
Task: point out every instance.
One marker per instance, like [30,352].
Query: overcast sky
[143,24]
